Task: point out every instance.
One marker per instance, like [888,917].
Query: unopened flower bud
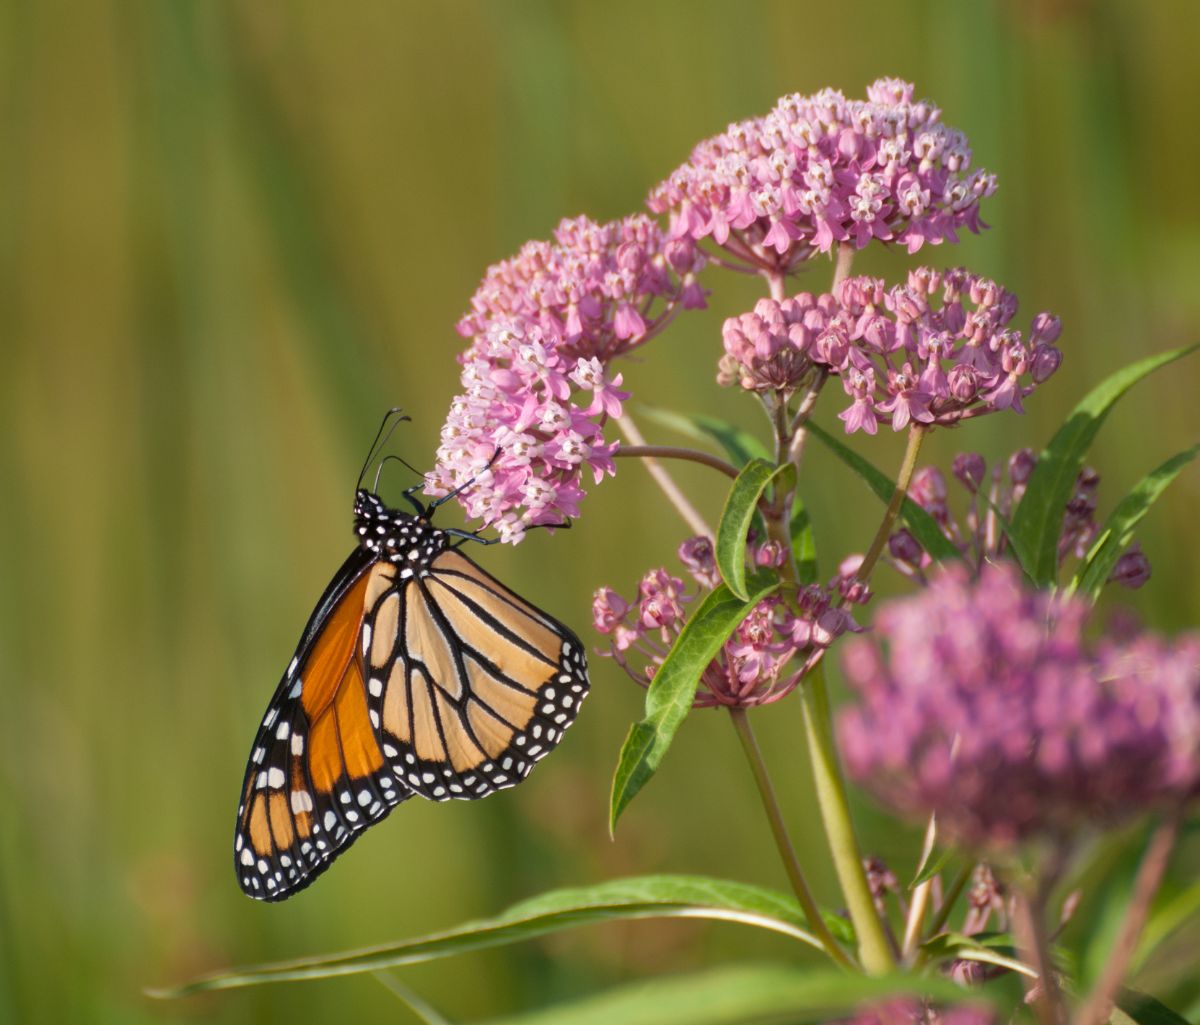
[970,469]
[1020,466]
[1132,569]
[963,381]
[904,548]
[1045,328]
[1046,360]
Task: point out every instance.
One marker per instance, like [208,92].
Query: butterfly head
[411,541]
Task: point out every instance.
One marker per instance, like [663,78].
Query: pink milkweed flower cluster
[980,701]
[995,494]
[935,350]
[537,391]
[823,169]
[749,670]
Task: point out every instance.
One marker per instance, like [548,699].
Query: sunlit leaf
[1037,521]
[669,696]
[661,896]
[1117,532]
[744,496]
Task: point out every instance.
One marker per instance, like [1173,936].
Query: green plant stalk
[873,948]
[783,842]
[952,894]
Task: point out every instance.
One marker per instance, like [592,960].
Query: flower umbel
[775,191]
[979,701]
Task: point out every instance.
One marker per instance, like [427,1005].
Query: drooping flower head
[936,350]
[537,389]
[980,701]
[750,669]
[774,191]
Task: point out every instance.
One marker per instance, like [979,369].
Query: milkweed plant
[985,705]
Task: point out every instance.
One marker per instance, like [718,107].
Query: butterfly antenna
[465,484]
[403,462]
[381,439]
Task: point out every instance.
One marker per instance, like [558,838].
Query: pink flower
[775,191]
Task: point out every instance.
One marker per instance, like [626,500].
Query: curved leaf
[734,527]
[923,526]
[1037,521]
[664,896]
[1117,532]
[1142,1008]
[735,995]
[669,697]
[804,544]
[952,945]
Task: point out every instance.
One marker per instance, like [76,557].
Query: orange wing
[317,775]
[469,684]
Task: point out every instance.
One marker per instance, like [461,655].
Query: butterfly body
[418,673]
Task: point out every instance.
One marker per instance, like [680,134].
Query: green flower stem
[787,853]
[873,948]
[672,452]
[952,894]
[915,437]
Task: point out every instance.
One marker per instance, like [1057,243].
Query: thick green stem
[787,853]
[873,948]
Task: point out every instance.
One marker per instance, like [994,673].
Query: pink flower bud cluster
[536,387]
[980,701]
[935,350]
[911,1011]
[978,534]
[776,190]
[600,289]
[750,668]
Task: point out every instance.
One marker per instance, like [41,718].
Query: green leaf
[669,697]
[804,544]
[932,867]
[426,1012]
[1117,532]
[954,946]
[1144,1009]
[735,995]
[743,500]
[923,526]
[660,896]
[741,446]
[1169,913]
[1037,521]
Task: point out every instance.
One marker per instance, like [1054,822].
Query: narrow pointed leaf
[738,514]
[923,526]
[741,446]
[931,867]
[736,995]
[804,544]
[951,945]
[1117,532]
[1142,1008]
[1170,912]
[669,697]
[658,896]
[1038,519]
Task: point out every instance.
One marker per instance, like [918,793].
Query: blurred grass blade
[804,544]
[660,896]
[734,527]
[1169,915]
[923,526]
[1135,1006]
[1037,522]
[735,995]
[428,1014]
[741,446]
[669,697]
[1117,532]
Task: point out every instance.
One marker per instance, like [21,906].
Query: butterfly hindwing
[317,776]
[469,684]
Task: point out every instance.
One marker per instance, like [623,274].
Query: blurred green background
[232,235]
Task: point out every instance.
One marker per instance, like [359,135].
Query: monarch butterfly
[418,673]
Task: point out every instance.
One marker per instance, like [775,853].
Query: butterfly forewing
[470,684]
[317,776]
